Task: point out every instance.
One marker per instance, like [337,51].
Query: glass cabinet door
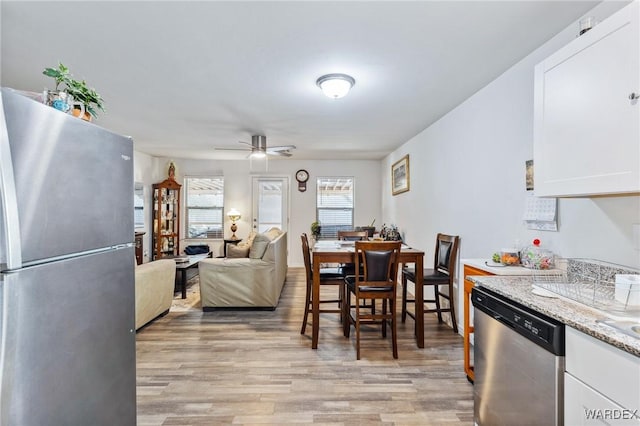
[166,219]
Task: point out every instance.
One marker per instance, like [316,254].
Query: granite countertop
[573,314]
[498,269]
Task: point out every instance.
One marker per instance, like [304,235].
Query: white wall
[238,177]
[468,178]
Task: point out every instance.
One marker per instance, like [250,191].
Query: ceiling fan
[259,148]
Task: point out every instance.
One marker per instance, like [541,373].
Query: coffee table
[183,267]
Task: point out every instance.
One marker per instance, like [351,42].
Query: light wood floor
[254,367]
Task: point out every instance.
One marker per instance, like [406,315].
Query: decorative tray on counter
[593,283]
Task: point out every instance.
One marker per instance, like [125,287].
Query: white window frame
[331,231]
[218,234]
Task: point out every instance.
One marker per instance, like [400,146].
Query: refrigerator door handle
[9,201]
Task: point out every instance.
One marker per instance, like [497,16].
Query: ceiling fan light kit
[258,146]
[335,86]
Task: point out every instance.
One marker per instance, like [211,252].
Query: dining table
[334,251]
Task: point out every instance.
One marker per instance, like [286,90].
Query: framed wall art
[529,175]
[400,176]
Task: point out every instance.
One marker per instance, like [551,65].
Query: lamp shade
[234,215]
[335,86]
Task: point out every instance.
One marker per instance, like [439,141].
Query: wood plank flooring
[254,367]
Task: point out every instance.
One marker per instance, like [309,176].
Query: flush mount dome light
[335,86]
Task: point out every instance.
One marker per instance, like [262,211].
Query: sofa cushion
[234,251]
[259,246]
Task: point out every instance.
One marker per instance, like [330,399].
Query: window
[138,205]
[334,205]
[204,205]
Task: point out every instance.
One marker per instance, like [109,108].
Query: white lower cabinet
[602,383]
[584,406]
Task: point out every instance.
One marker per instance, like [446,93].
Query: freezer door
[72,181]
[68,342]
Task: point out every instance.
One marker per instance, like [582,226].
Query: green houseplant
[78,89]
[315,230]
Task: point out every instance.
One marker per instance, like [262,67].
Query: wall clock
[302,176]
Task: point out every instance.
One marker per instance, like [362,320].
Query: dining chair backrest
[378,260]
[353,235]
[446,253]
[306,254]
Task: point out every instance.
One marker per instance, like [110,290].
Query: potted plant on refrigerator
[72,94]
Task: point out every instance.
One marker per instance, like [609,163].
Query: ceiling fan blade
[246,143]
[279,153]
[231,149]
[281,148]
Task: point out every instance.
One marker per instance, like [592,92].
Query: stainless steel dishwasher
[519,363]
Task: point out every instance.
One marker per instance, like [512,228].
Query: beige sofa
[155,282]
[246,282]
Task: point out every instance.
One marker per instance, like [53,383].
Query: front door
[270,203]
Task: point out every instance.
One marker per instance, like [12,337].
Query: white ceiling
[185,77]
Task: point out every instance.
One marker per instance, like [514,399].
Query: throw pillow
[248,241]
[273,233]
[259,246]
[234,252]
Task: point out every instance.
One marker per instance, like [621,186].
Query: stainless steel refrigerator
[67,338]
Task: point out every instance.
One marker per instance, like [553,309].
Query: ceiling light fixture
[335,86]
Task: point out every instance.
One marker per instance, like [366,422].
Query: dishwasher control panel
[537,327]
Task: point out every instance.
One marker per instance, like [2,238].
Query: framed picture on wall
[400,176]
[529,175]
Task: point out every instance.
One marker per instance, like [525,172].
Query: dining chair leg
[340,302]
[436,293]
[306,310]
[404,298]
[394,336]
[346,323]
[357,331]
[452,309]
[384,321]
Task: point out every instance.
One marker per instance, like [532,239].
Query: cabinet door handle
[633,96]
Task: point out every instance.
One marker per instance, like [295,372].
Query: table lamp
[234,216]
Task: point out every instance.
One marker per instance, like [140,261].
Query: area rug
[192,302]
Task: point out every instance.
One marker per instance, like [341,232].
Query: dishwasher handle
[503,320]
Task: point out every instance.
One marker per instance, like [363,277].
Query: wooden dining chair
[379,262]
[349,268]
[328,276]
[444,265]
[353,235]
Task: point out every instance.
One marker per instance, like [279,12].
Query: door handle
[12,238]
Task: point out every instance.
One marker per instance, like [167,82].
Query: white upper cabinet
[587,112]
